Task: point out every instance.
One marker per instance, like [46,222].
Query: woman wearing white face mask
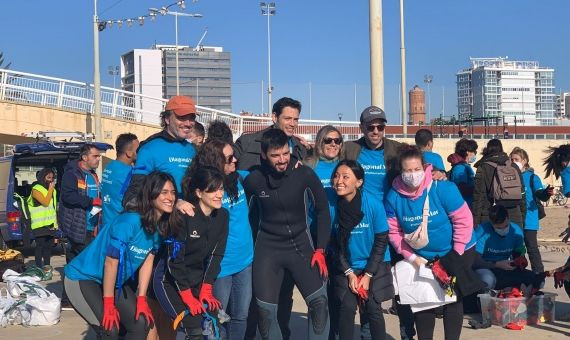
[534,191]
[449,234]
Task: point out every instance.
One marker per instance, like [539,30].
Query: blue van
[14,217]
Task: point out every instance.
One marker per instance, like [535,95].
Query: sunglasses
[328,140]
[371,128]
[230,159]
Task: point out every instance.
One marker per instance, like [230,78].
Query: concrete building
[417,114]
[141,72]
[499,90]
[563,105]
[204,74]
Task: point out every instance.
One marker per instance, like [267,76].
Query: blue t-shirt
[92,187]
[166,156]
[463,173]
[494,247]
[362,236]
[566,181]
[324,170]
[434,159]
[375,179]
[239,247]
[127,234]
[114,176]
[531,219]
[444,198]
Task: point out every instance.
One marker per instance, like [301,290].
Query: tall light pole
[428,78]
[268,9]
[340,116]
[113,71]
[403,72]
[376,53]
[96,77]
[176,15]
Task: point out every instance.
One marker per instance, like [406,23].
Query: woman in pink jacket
[425,231]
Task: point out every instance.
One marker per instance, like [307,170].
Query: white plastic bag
[12,311]
[45,311]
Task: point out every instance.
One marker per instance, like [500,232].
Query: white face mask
[519,164]
[502,232]
[413,179]
[473,159]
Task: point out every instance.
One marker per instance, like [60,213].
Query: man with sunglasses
[376,153]
[168,150]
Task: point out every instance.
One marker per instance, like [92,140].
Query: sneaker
[66,305]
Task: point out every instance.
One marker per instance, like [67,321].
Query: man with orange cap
[168,150]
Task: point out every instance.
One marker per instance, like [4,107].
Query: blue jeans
[234,292]
[487,276]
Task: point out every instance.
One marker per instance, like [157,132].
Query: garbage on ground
[27,302]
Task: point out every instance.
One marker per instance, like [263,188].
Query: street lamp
[428,78]
[268,9]
[340,116]
[113,71]
[96,76]
[164,11]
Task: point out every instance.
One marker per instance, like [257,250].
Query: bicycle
[557,198]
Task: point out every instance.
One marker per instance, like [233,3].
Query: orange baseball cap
[181,105]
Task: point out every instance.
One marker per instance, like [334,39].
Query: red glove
[520,262]
[110,314]
[319,259]
[193,304]
[558,279]
[207,297]
[440,274]
[144,310]
[96,202]
[362,293]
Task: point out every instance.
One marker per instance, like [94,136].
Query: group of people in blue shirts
[176,250]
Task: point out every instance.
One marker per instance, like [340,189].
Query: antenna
[199,44]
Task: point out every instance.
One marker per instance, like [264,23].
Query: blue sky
[320,42]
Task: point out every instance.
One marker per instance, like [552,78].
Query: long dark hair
[494,147]
[152,187]
[211,154]
[354,166]
[41,176]
[207,179]
[556,155]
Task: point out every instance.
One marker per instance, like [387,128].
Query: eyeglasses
[328,140]
[230,159]
[371,128]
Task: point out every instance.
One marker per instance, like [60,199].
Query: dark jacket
[202,242]
[247,149]
[74,202]
[483,192]
[352,151]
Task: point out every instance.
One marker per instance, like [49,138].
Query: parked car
[14,216]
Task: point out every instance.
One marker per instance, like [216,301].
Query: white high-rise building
[563,105]
[498,90]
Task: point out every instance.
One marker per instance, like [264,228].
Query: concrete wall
[16,119]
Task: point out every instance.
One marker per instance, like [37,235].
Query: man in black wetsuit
[278,192]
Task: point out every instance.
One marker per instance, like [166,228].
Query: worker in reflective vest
[42,205]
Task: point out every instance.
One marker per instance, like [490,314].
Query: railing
[75,96]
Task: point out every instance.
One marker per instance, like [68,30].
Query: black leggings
[275,255]
[44,245]
[370,312]
[531,243]
[87,299]
[452,321]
